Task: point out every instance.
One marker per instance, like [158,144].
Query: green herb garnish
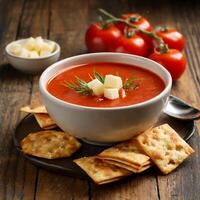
[99,76]
[131,84]
[80,86]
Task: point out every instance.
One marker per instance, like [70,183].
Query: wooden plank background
[66,22]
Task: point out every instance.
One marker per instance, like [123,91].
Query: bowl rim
[57,50]
[44,91]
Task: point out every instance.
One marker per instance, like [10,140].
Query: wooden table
[66,22]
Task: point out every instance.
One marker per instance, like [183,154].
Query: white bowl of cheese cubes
[32,55]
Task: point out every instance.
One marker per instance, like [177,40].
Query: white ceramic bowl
[105,125]
[32,65]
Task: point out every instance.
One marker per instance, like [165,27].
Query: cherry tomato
[133,44]
[174,61]
[171,37]
[142,23]
[135,19]
[98,37]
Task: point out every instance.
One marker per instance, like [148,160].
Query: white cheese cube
[38,43]
[112,81]
[39,38]
[52,45]
[45,53]
[24,53]
[122,93]
[46,47]
[33,54]
[29,44]
[15,49]
[111,93]
[97,87]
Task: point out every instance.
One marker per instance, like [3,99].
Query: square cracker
[100,171]
[127,153]
[45,121]
[41,116]
[165,147]
[128,167]
[50,144]
[29,109]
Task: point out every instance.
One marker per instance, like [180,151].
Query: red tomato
[133,45]
[174,61]
[142,23]
[137,20]
[171,37]
[98,38]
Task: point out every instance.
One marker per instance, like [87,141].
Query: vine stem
[112,19]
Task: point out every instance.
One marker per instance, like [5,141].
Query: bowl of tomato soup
[105,97]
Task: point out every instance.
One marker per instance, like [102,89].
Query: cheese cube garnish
[15,49]
[112,81]
[97,87]
[33,54]
[111,93]
[122,93]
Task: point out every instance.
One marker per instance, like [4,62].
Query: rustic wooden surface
[66,22]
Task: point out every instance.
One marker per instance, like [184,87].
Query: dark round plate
[66,165]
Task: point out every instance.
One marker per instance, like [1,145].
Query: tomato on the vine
[135,19]
[99,37]
[140,22]
[173,38]
[112,34]
[173,60]
[133,44]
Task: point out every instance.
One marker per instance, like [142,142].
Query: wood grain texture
[66,23]
[56,186]
[184,182]
[14,91]
[137,187]
[17,89]
[10,16]
[35,22]
[63,30]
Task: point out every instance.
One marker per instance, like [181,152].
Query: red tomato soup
[149,84]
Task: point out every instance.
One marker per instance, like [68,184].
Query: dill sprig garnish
[80,86]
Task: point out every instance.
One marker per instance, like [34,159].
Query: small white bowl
[32,65]
[105,125]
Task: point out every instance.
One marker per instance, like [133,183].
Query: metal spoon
[179,109]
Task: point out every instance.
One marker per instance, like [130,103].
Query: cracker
[165,147]
[50,144]
[41,116]
[39,109]
[45,121]
[100,171]
[128,167]
[128,153]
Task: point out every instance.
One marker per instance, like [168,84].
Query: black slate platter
[66,165]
